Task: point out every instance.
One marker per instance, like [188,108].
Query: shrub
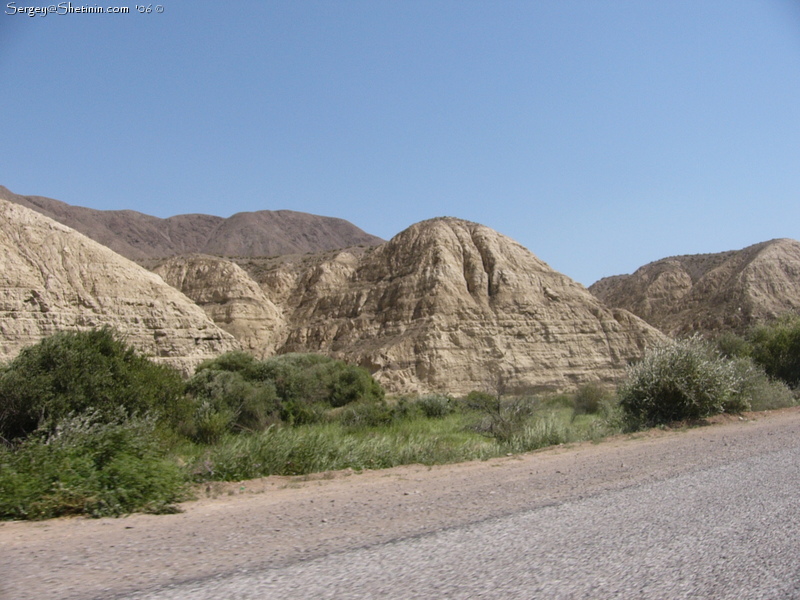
[758,389]
[366,414]
[500,418]
[74,372]
[89,464]
[314,378]
[776,347]
[435,406]
[236,392]
[680,380]
[226,401]
[732,345]
[590,399]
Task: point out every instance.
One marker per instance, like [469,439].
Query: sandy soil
[279,520]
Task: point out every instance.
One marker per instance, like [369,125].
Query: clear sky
[599,134]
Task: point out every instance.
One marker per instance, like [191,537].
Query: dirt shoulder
[279,520]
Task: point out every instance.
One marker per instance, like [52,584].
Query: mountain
[710,292]
[53,278]
[139,237]
[446,305]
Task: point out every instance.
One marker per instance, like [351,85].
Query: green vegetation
[90,465]
[75,372]
[681,380]
[89,426]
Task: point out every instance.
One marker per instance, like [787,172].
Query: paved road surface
[709,513]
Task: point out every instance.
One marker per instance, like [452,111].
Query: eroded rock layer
[52,278]
[710,292]
[230,297]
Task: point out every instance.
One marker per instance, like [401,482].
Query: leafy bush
[74,372]
[314,378]
[499,417]
[89,464]
[776,347]
[591,398]
[226,401]
[435,406]
[365,414]
[681,380]
[236,392]
[762,392]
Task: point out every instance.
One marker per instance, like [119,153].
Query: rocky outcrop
[230,297]
[52,278]
[446,305]
[140,237]
[710,293]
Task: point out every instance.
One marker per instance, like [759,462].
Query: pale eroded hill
[53,278]
[710,292]
[446,305]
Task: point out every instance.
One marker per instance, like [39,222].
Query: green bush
[776,347]
[436,406]
[499,417]
[314,378]
[90,464]
[225,400]
[681,380]
[365,414]
[591,398]
[74,372]
[236,392]
[762,392]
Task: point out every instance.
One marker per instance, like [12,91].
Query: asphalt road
[712,512]
[732,531]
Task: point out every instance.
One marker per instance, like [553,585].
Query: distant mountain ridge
[710,292]
[138,236]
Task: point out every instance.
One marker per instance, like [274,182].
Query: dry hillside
[710,292]
[53,278]
[446,305]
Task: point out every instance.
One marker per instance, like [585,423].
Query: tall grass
[418,440]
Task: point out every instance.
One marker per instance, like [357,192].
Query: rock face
[710,292]
[446,305]
[139,237]
[53,278]
[229,297]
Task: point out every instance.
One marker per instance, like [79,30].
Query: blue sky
[601,135]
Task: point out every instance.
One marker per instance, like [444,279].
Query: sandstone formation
[446,305]
[139,237]
[53,278]
[230,297]
[710,292]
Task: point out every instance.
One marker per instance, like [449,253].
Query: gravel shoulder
[278,521]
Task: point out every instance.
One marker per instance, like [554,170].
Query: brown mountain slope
[710,292]
[138,236]
[53,278]
[446,305]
